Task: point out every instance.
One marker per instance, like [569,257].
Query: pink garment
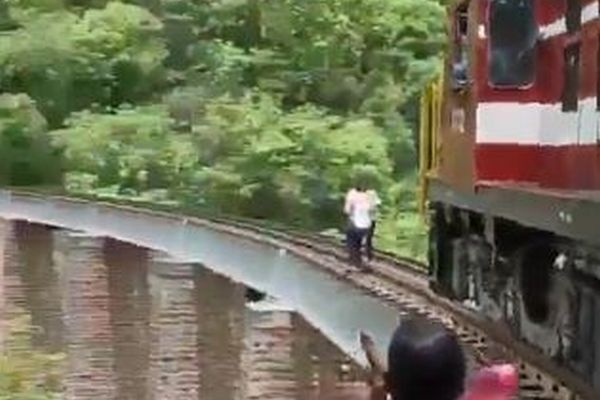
[497,382]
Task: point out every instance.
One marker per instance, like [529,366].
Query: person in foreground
[425,362]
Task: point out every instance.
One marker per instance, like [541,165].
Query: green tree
[68,62]
[228,104]
[26,157]
[131,149]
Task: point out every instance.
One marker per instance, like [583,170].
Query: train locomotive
[510,173]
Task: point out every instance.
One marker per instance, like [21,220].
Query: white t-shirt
[358,207]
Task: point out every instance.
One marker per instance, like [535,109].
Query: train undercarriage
[540,279]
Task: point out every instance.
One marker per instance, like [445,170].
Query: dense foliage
[265,109]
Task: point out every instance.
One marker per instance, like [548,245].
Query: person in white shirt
[375,203]
[358,208]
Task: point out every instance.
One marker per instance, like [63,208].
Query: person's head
[365,177]
[360,187]
[425,362]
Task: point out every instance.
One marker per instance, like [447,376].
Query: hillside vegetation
[258,108]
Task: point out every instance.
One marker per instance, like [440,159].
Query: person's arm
[348,203]
[375,359]
[374,203]
[378,367]
[377,200]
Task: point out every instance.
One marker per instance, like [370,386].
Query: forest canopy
[229,105]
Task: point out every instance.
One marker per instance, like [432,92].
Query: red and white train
[510,163]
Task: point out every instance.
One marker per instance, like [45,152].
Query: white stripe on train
[558,27]
[535,123]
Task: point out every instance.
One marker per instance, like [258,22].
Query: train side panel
[545,133]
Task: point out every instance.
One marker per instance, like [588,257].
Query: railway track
[403,284]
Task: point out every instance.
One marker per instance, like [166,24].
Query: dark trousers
[369,241]
[354,240]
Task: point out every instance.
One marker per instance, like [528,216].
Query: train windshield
[513,38]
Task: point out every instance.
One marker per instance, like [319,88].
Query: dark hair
[425,362]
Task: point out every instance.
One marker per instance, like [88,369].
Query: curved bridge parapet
[334,307]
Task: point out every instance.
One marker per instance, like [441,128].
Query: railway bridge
[308,277]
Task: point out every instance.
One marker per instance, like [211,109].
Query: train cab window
[570,100]
[460,65]
[512,45]
[573,17]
